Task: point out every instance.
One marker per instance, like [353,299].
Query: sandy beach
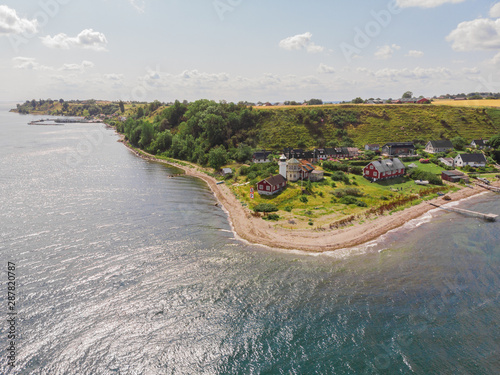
[258,231]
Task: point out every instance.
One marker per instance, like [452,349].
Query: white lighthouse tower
[282,164]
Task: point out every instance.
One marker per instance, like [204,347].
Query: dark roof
[275,180]
[473,158]
[372,145]
[479,142]
[261,154]
[444,143]
[453,173]
[400,144]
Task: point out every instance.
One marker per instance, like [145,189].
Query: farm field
[469,103]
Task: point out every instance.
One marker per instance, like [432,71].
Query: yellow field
[469,103]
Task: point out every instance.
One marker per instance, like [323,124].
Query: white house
[444,145]
[474,160]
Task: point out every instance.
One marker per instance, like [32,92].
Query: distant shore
[257,231]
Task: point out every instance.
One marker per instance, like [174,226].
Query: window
[268,188]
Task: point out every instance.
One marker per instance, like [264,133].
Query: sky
[250,50]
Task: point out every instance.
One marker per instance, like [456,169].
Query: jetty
[487,217]
[60,121]
[488,187]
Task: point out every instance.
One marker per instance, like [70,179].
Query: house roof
[400,144]
[472,158]
[453,173]
[275,180]
[261,154]
[479,142]
[388,165]
[372,145]
[227,170]
[293,161]
[443,143]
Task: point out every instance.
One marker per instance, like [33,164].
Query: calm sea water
[121,269]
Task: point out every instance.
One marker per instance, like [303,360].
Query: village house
[353,152]
[443,145]
[473,160]
[384,169]
[271,185]
[447,161]
[454,176]
[261,157]
[372,147]
[226,172]
[478,143]
[398,149]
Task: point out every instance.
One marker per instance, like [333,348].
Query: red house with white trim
[384,169]
[271,185]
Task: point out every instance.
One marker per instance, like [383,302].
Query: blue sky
[247,49]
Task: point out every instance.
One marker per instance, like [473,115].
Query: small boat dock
[488,187]
[487,217]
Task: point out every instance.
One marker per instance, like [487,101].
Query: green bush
[303,199]
[340,176]
[354,192]
[265,207]
[288,208]
[418,174]
[273,217]
[348,200]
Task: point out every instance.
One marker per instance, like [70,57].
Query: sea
[109,265]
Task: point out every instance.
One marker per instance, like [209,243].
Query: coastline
[257,231]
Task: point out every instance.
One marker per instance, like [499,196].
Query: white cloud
[139,5]
[114,76]
[474,70]
[84,65]
[479,34]
[496,59]
[11,23]
[414,53]
[88,39]
[425,3]
[495,11]
[325,69]
[28,63]
[386,52]
[299,42]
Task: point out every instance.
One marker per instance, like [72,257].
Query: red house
[384,169]
[271,185]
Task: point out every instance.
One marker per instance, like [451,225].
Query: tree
[140,112]
[217,157]
[408,95]
[315,102]
[358,100]
[458,143]
[122,106]
[243,153]
[494,141]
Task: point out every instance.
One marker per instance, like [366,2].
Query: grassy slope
[378,124]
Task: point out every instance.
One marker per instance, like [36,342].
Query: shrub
[418,174]
[303,199]
[288,208]
[273,217]
[361,204]
[265,207]
[340,176]
[354,192]
[348,200]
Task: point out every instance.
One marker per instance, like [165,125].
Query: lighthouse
[282,164]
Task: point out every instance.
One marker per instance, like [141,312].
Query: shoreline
[259,232]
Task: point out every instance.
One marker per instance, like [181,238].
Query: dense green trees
[459,143]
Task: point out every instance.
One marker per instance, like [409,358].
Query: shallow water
[123,270]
